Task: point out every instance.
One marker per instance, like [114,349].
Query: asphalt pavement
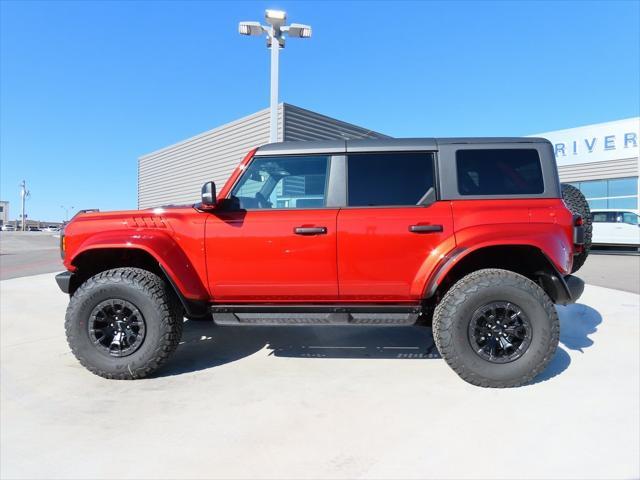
[612,270]
[29,253]
[316,402]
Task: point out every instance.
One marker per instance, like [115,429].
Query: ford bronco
[473,236]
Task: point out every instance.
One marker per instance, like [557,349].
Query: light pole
[24,194]
[275,40]
[66,211]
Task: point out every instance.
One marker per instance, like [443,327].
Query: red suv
[469,235]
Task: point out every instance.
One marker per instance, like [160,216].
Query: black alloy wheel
[116,327]
[500,332]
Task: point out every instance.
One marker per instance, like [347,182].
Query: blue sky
[87,87]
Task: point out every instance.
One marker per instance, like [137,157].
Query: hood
[95,214]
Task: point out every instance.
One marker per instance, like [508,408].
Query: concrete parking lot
[302,402]
[307,402]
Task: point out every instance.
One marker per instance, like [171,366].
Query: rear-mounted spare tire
[577,203]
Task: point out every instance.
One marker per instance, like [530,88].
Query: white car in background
[616,227]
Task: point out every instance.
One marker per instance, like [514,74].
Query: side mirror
[208,195]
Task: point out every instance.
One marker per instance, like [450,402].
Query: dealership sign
[596,143]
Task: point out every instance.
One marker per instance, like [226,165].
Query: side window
[499,172]
[388,179]
[283,182]
[601,217]
[629,217]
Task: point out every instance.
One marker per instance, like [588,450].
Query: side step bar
[316,314]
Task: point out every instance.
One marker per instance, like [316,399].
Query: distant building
[602,160]
[174,174]
[4,212]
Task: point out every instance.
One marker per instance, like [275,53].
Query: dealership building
[601,159]
[175,174]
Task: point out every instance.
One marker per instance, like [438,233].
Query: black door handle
[425,228]
[310,230]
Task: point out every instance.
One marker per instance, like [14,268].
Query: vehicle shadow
[205,345]
[577,322]
[414,342]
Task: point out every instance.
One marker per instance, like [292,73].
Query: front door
[280,245]
[387,244]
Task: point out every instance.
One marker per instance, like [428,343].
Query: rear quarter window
[499,172]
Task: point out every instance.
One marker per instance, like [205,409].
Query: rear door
[387,244]
[603,227]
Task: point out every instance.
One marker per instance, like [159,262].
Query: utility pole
[24,193]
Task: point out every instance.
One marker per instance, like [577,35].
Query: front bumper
[64,281]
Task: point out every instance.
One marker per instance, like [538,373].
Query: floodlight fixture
[275,17]
[299,30]
[250,28]
[275,41]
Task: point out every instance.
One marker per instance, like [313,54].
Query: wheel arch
[527,260]
[97,258]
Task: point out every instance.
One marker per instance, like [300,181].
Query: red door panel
[256,255]
[379,257]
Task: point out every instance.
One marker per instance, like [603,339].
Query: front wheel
[496,328]
[123,323]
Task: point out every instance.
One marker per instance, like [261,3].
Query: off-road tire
[453,314]
[158,305]
[577,203]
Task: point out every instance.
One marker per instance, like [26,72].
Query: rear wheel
[577,203]
[496,328]
[123,323]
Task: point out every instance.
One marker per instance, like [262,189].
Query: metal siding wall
[627,167]
[281,122]
[174,175]
[301,124]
